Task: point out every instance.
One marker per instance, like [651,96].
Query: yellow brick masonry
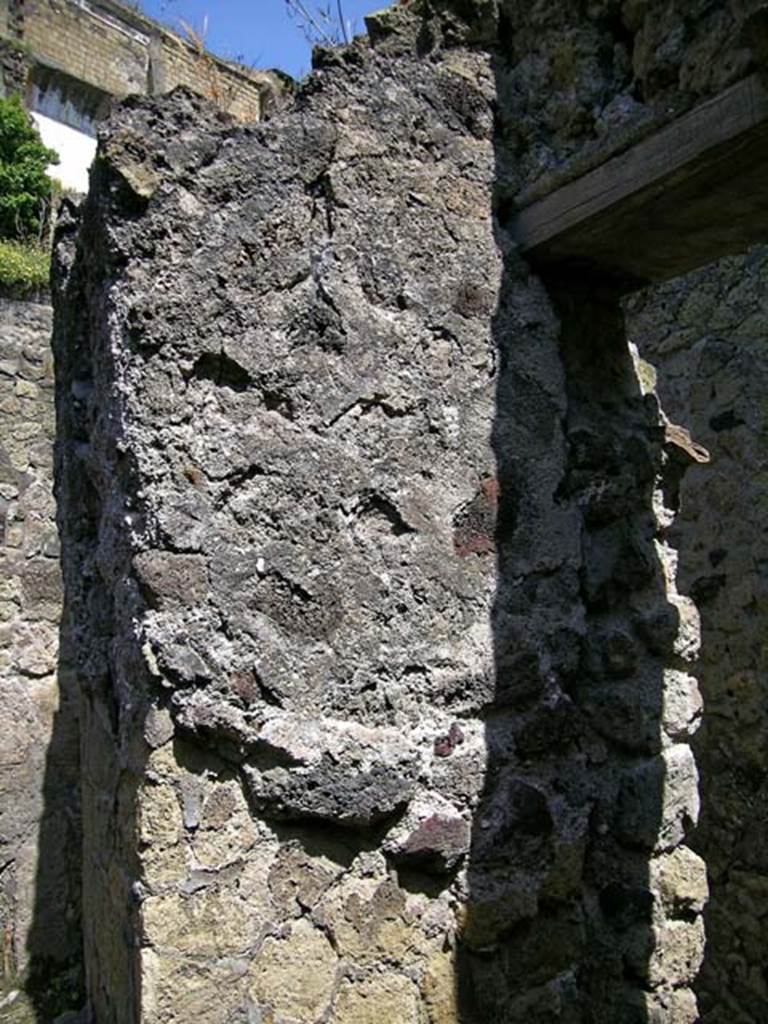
[114,48]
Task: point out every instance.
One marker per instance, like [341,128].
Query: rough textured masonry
[39,776]
[706,337]
[386,692]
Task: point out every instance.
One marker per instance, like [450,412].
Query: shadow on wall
[39,771]
[56,983]
[56,980]
[583,905]
[705,335]
[96,667]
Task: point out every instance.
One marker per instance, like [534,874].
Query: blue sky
[257,32]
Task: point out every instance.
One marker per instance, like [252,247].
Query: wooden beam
[694,191]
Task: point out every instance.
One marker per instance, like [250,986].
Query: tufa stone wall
[13,68]
[385,670]
[578,82]
[114,48]
[706,338]
[368,547]
[39,769]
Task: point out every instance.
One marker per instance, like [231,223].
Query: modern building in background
[70,58]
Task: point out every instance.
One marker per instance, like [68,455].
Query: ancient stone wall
[705,336]
[387,681]
[578,82]
[385,665]
[39,772]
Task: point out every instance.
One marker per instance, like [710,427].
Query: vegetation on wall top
[26,197]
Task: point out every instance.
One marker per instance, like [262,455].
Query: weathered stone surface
[310,769]
[158,727]
[659,801]
[180,989]
[293,975]
[39,757]
[338,772]
[683,705]
[440,989]
[171,580]
[680,880]
[705,338]
[372,532]
[678,952]
[373,920]
[591,84]
[160,819]
[439,841]
[205,924]
[382,999]
[294,580]
[677,1007]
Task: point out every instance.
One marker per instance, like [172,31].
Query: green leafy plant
[25,188]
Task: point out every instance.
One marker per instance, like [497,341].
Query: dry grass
[25,268]
[216,89]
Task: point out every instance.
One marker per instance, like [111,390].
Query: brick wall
[89,48]
[119,51]
[234,93]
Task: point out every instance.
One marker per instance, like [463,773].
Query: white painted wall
[76,151]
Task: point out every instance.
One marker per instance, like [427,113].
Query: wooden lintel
[694,191]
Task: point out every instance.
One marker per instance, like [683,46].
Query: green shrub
[24,268]
[25,188]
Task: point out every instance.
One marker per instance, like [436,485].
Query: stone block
[210,923]
[678,952]
[41,589]
[339,772]
[683,705]
[381,999]
[293,976]
[679,879]
[172,580]
[440,989]
[659,800]
[159,816]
